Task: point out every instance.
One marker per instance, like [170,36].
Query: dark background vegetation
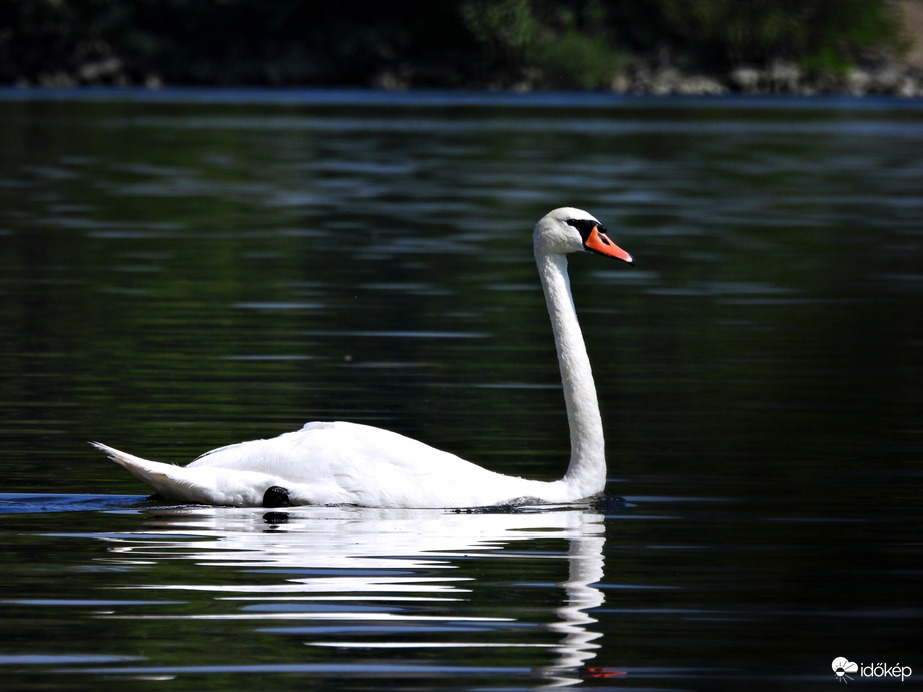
[401,43]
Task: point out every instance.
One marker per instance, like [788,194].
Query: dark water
[191,269]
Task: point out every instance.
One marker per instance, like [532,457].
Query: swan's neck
[586,473]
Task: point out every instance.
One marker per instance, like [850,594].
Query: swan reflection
[352,578]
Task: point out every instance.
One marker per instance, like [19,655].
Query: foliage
[224,41]
[569,43]
[821,34]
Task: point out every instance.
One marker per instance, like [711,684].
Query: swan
[341,463]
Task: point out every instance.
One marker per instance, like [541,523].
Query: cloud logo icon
[841,666]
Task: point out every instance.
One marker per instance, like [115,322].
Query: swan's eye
[586,226]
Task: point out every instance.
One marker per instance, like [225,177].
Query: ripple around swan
[348,578]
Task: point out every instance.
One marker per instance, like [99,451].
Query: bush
[825,35]
[563,43]
[567,44]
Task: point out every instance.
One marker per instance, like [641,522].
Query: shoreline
[779,79]
[432,96]
[640,79]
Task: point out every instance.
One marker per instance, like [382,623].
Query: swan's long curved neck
[586,473]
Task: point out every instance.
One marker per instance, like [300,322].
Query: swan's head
[567,230]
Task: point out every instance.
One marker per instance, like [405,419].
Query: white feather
[334,463]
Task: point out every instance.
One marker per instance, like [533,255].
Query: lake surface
[182,270]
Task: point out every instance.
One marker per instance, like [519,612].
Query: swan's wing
[185,484]
[232,451]
[348,463]
[325,447]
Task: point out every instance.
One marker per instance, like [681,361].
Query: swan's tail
[166,479]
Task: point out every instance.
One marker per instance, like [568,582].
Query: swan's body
[346,463]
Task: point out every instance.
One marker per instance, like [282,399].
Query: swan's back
[349,463]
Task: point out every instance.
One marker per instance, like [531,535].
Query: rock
[99,70]
[620,84]
[784,77]
[391,80]
[857,82]
[909,87]
[57,80]
[666,81]
[885,80]
[746,79]
[701,85]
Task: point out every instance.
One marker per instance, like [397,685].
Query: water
[187,269]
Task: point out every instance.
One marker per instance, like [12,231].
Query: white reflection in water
[377,555]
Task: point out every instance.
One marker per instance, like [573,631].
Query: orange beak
[600,243]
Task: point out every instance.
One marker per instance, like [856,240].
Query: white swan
[350,464]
